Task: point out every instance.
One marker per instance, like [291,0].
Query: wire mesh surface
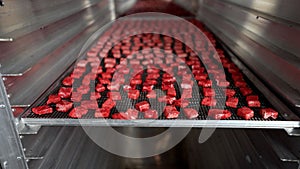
[194,102]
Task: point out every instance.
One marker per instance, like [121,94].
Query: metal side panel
[21,17]
[24,91]
[163,123]
[191,6]
[278,8]
[259,58]
[19,56]
[278,37]
[11,150]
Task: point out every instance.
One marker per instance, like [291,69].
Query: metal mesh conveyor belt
[203,110]
[63,118]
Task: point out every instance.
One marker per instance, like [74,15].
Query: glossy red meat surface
[53,99]
[245,113]
[171,112]
[219,114]
[268,113]
[40,110]
[142,106]
[190,113]
[64,106]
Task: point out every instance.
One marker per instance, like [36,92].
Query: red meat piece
[79,70]
[76,97]
[104,81]
[109,65]
[81,63]
[100,88]
[91,53]
[169,80]
[95,96]
[229,92]
[232,102]
[147,88]
[223,83]
[142,106]
[68,81]
[151,95]
[187,85]
[132,114]
[89,104]
[135,82]
[109,103]
[151,114]
[199,72]
[121,115]
[233,70]
[245,91]
[153,76]
[133,94]
[40,110]
[219,114]
[124,70]
[237,77]
[171,112]
[150,82]
[186,93]
[113,87]
[208,92]
[127,87]
[86,81]
[252,97]
[240,83]
[53,98]
[253,101]
[78,112]
[64,106]
[106,75]
[153,71]
[166,86]
[182,103]
[197,67]
[76,75]
[167,99]
[134,62]
[110,70]
[83,89]
[171,92]
[190,113]
[209,101]
[245,113]
[268,113]
[102,113]
[170,99]
[110,60]
[65,92]
[97,70]
[205,83]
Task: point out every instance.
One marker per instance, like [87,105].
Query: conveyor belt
[58,118]
[203,110]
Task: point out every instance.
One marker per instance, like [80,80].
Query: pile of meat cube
[134,68]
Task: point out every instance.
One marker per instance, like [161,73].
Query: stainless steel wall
[123,5]
[19,17]
[265,34]
[47,38]
[191,5]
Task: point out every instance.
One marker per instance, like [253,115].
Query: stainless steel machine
[42,41]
